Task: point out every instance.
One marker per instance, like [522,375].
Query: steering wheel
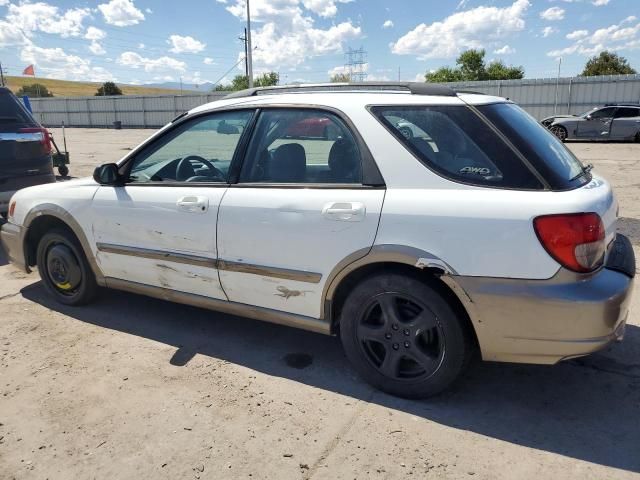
[186,173]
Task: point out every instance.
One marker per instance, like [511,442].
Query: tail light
[575,241]
[40,134]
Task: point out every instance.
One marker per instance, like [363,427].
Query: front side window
[301,146]
[456,143]
[603,113]
[199,150]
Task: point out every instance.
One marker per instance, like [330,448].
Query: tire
[429,344]
[406,132]
[64,268]
[637,137]
[63,170]
[560,132]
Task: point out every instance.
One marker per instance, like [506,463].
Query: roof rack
[415,88]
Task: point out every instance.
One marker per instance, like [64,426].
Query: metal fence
[540,97]
[543,97]
[133,111]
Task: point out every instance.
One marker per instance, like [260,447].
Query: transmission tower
[356,64]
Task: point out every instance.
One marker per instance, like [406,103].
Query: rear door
[626,123]
[302,205]
[159,229]
[598,124]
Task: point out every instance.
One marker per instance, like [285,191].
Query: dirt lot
[132,387]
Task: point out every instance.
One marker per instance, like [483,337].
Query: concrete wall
[540,97]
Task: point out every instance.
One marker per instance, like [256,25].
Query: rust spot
[287,294]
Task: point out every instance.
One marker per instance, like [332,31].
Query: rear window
[548,155]
[456,143]
[12,112]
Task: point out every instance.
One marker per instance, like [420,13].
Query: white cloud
[141,46]
[186,44]
[576,34]
[600,3]
[121,13]
[134,60]
[4,2]
[506,50]
[546,31]
[552,14]
[324,8]
[94,34]
[97,49]
[614,37]
[288,35]
[209,61]
[42,17]
[467,29]
[11,35]
[387,24]
[56,63]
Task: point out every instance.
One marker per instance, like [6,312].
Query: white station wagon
[307,206]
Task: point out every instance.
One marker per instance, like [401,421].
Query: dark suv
[25,149]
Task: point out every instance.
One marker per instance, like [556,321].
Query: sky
[154,41]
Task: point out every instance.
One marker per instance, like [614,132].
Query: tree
[34,90]
[471,67]
[241,82]
[607,63]
[340,78]
[108,88]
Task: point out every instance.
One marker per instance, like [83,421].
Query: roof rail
[415,88]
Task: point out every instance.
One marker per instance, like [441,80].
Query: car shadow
[585,409]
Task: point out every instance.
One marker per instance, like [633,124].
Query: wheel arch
[397,258]
[43,218]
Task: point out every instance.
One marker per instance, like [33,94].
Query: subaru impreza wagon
[479,232]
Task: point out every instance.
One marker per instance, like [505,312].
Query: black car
[25,149]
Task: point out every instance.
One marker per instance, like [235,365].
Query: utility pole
[398,73]
[180,85]
[555,105]
[246,56]
[249,48]
[356,60]
[1,74]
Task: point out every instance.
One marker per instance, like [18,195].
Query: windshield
[548,155]
[583,115]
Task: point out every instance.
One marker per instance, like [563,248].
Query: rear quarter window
[457,144]
[12,113]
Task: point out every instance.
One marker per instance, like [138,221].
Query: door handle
[193,204]
[344,211]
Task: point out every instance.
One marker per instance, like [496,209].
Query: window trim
[401,140]
[126,164]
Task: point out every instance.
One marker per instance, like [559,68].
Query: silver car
[612,122]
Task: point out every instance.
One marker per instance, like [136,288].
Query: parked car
[484,233]
[25,149]
[612,122]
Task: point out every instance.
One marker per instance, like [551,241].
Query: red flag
[29,71]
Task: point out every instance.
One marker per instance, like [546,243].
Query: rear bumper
[10,186]
[545,321]
[12,238]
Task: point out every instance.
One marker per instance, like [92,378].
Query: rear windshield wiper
[585,169]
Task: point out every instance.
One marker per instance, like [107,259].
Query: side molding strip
[285,273]
[158,255]
[240,309]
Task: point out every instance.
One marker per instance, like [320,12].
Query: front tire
[560,132]
[64,268]
[403,337]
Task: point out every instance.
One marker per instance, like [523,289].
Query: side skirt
[232,308]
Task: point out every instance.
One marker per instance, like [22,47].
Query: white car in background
[478,232]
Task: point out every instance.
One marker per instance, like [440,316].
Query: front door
[301,207]
[597,125]
[159,229]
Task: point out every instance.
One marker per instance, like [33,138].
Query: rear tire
[64,268]
[63,170]
[403,337]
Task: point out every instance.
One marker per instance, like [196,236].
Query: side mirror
[589,117]
[107,174]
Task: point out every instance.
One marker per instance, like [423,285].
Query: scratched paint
[287,294]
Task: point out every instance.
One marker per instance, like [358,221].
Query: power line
[355,66]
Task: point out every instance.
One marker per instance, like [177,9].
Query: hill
[191,87]
[67,88]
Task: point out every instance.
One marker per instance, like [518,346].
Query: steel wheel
[401,337]
[559,132]
[63,269]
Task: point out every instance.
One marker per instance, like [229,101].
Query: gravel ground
[132,387]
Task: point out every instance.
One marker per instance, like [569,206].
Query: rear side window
[548,155]
[457,144]
[628,112]
[12,112]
